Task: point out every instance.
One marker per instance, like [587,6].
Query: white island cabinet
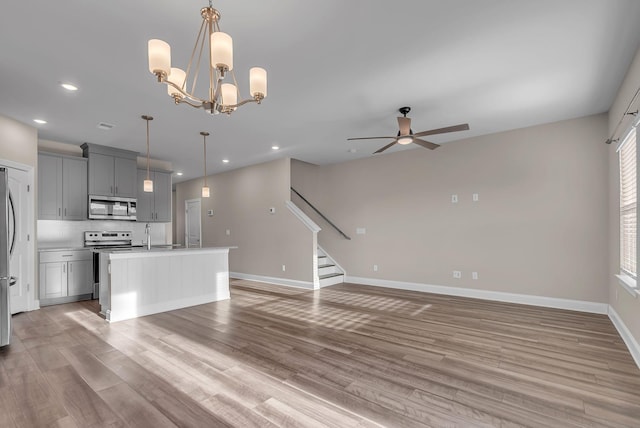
[139,282]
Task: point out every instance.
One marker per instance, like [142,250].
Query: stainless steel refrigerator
[6,280]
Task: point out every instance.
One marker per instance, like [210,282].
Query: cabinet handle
[59,212]
[70,267]
[65,212]
[116,190]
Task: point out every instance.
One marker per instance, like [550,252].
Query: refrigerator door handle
[12,279]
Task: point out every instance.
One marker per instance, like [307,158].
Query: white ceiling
[337,69]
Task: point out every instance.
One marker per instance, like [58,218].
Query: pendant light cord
[147,149]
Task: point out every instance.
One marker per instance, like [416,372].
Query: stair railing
[320,214]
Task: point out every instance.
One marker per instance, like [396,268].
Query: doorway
[192,227]
[21,261]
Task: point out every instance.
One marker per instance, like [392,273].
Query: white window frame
[626,278]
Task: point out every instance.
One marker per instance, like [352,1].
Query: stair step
[330,275]
[325,266]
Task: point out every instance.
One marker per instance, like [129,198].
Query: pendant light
[205,189]
[148,184]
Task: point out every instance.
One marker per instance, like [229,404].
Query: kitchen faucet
[147,232]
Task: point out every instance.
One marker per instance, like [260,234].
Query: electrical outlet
[475,197]
[375,268]
[361,231]
[454,199]
[474,275]
[457,274]
[284,268]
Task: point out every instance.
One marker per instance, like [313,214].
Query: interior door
[192,226]
[18,260]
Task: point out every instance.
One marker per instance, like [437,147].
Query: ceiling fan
[406,135]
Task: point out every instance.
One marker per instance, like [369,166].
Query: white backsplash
[70,234]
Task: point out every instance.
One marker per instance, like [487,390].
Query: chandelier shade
[218,47]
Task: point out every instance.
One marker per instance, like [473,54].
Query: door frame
[32,302]
[186,220]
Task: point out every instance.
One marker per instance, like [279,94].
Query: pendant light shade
[205,189]
[221,51]
[148,184]
[258,82]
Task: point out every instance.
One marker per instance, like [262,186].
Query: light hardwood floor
[344,356]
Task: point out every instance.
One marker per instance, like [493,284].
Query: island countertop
[135,252]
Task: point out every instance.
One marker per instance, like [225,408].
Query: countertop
[124,253]
[94,249]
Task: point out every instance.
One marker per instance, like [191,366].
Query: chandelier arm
[211,71]
[247,101]
[193,53]
[195,75]
[235,82]
[189,103]
[184,93]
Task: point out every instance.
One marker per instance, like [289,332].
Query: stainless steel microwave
[111,208]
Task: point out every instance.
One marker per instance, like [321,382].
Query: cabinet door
[49,187]
[80,277]
[74,189]
[53,280]
[162,193]
[144,209]
[126,177]
[101,175]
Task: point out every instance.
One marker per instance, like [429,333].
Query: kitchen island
[137,282]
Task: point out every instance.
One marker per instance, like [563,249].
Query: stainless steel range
[105,240]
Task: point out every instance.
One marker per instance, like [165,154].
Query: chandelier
[222,97]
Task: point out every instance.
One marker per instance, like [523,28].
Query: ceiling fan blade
[384,148]
[404,123]
[426,144]
[455,128]
[369,138]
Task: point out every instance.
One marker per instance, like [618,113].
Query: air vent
[105,126]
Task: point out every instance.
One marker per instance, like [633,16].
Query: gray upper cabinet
[62,187]
[154,206]
[112,172]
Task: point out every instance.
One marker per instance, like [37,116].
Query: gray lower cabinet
[62,187]
[65,276]
[154,206]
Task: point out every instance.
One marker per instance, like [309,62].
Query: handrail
[320,214]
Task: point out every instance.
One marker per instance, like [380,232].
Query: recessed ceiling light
[225,160]
[40,121]
[69,86]
[178,173]
[275,147]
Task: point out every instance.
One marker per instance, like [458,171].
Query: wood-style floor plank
[344,356]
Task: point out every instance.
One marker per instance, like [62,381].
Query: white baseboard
[307,285]
[525,299]
[629,340]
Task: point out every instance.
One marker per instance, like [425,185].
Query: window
[628,204]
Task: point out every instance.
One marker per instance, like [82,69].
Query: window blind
[628,204]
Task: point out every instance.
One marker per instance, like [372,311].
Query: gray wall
[539,227]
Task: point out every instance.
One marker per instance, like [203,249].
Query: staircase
[329,272]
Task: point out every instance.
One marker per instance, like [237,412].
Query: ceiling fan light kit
[221,97]
[406,135]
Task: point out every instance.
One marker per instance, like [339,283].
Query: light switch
[475,197]
[361,231]
[454,199]
[228,232]
[210,213]
[272,210]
